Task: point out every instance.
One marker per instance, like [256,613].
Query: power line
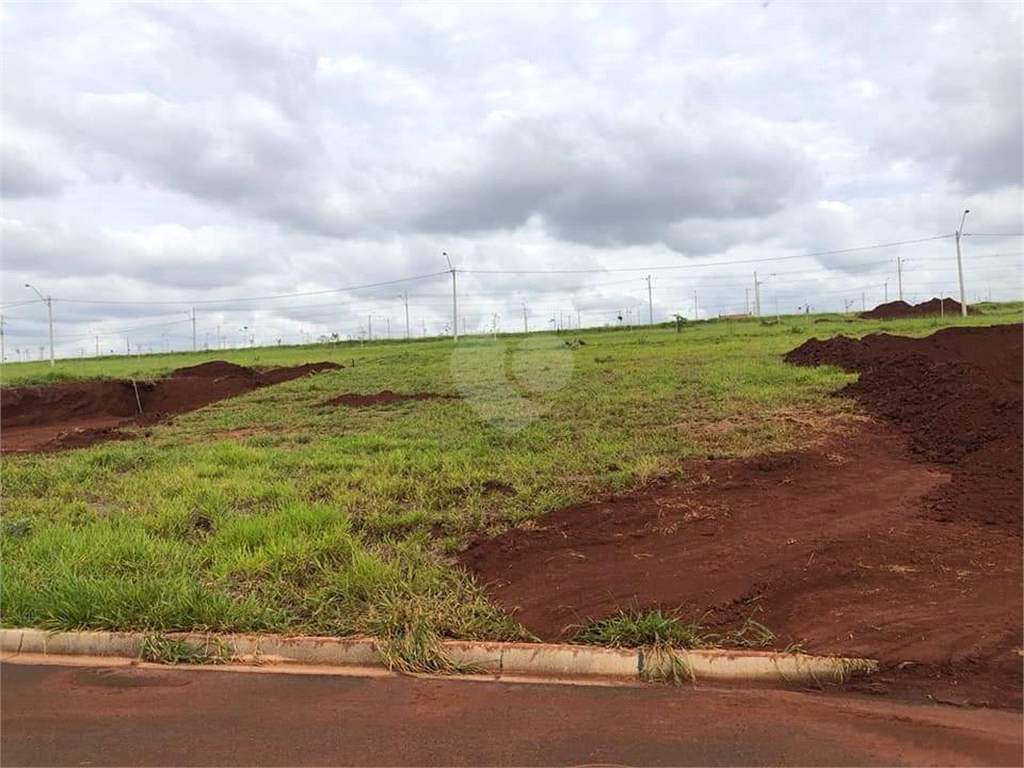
[262,298]
[706,264]
[437,301]
[21,303]
[110,332]
[993,234]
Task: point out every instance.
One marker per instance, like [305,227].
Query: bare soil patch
[899,544]
[78,414]
[387,397]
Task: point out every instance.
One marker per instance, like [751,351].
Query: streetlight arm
[41,297]
[962,219]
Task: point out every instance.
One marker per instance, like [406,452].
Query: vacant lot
[294,508]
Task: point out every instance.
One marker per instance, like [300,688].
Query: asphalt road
[129,715]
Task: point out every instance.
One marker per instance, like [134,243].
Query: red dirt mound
[77,414]
[387,397]
[278,375]
[896,310]
[957,396]
[215,368]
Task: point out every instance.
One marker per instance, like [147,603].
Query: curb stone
[522,659]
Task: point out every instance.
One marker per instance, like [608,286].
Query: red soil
[895,310]
[957,397]
[899,545]
[78,414]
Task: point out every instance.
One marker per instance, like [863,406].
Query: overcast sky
[182,152]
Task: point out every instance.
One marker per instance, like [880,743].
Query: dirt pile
[896,310]
[77,414]
[957,397]
[217,368]
[387,397]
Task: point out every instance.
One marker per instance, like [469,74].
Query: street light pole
[650,303]
[49,317]
[405,298]
[899,275]
[960,265]
[455,300]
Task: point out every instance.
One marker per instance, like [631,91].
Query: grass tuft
[650,629]
[161,649]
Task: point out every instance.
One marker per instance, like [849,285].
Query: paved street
[127,715]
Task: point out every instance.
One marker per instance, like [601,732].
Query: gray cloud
[613,180]
[22,176]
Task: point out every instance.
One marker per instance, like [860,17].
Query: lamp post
[960,264]
[49,317]
[405,300]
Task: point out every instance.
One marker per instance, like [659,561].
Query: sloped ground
[899,540]
[78,414]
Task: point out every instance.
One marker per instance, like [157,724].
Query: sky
[293,170]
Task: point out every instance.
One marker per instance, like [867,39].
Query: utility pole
[579,321]
[526,326]
[97,345]
[885,295]
[899,275]
[405,298]
[49,317]
[696,314]
[650,303]
[388,321]
[128,345]
[960,265]
[455,301]
[369,327]
[757,296]
[193,329]
[863,302]
[423,323]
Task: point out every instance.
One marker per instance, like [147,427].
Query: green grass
[655,629]
[271,513]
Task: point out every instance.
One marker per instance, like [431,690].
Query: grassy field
[270,512]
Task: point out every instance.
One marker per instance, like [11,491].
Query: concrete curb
[518,659]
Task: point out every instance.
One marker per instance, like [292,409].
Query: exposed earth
[898,540]
[896,310]
[78,414]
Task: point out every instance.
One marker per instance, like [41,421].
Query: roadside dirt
[899,544]
[387,397]
[895,310]
[78,414]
